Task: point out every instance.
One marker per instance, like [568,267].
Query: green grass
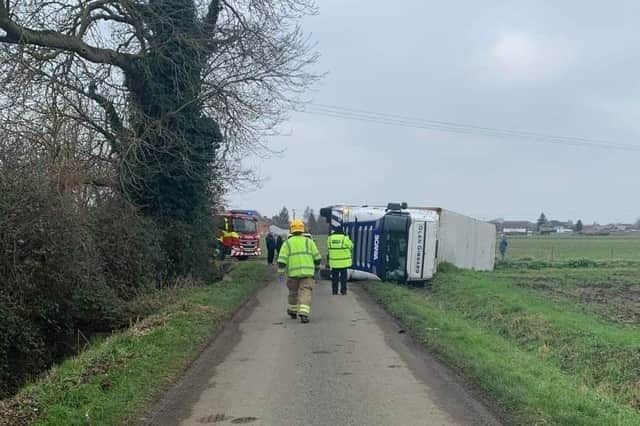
[624,247]
[112,382]
[547,361]
[610,291]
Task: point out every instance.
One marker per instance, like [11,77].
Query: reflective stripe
[292,308]
[298,253]
[306,272]
[304,310]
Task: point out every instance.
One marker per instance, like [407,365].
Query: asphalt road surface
[351,365]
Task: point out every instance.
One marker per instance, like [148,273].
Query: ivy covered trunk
[168,171]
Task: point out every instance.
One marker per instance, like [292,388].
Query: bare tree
[174,83]
[168,93]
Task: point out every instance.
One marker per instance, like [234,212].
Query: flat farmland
[622,247]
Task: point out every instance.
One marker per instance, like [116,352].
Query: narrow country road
[349,366]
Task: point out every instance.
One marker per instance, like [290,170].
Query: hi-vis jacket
[300,255]
[340,248]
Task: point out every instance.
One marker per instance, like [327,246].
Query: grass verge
[545,362]
[115,380]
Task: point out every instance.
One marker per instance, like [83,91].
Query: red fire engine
[238,234]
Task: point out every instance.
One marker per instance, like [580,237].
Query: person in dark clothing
[278,243]
[503,246]
[271,248]
[340,250]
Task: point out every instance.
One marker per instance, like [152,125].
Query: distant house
[275,230]
[518,227]
[547,229]
[563,230]
[513,227]
[595,229]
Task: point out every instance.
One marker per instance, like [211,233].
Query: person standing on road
[340,248]
[301,258]
[271,248]
[503,246]
[278,243]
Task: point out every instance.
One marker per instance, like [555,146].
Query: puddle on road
[214,418]
[243,420]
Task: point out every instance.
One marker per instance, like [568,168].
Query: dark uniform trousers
[339,275]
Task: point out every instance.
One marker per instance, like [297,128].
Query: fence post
[552,253]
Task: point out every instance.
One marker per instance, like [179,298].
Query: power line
[458,128]
[448,125]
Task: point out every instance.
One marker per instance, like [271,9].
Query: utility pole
[294,213]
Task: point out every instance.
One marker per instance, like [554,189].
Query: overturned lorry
[401,243]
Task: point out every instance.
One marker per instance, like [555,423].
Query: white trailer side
[466,242]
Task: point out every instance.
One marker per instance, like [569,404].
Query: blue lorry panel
[366,238]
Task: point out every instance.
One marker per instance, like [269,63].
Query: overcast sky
[569,68]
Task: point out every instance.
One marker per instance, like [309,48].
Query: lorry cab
[391,243]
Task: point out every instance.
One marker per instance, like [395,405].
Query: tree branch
[211,19]
[112,115]
[17,34]
[99,182]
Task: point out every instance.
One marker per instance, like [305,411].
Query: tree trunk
[167,172]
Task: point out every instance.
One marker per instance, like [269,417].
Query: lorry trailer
[401,243]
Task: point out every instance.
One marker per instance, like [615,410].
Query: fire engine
[238,234]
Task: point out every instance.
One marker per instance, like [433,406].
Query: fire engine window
[244,225]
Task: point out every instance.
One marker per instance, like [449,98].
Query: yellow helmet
[296,226]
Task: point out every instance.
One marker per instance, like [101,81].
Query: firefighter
[339,250]
[301,258]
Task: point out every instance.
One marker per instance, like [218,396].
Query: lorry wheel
[243,257]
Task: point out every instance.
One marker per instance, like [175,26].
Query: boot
[292,314]
[304,319]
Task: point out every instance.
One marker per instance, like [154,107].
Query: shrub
[128,245]
[65,267]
